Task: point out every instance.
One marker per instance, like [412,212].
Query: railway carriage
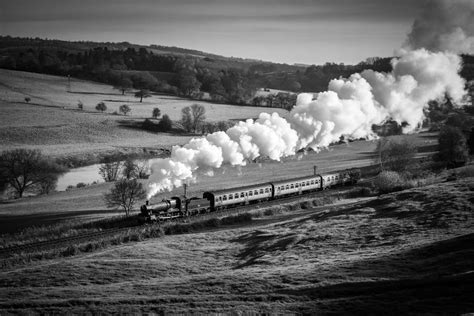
[297,186]
[238,196]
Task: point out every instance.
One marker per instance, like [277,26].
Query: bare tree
[130,169]
[125,194]
[110,170]
[193,117]
[25,169]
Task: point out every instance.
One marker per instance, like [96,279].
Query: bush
[80,106]
[395,155]
[165,124]
[125,109]
[156,113]
[453,149]
[101,107]
[80,185]
[465,172]
[388,181]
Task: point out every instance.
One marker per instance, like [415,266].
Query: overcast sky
[298,31]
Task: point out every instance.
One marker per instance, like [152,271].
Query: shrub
[165,124]
[80,106]
[453,149]
[395,155]
[156,113]
[80,185]
[388,181]
[27,100]
[149,125]
[101,107]
[466,172]
[125,109]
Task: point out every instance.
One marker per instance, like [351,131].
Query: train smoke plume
[445,25]
[349,108]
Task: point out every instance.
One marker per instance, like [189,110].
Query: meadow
[52,122]
[409,252]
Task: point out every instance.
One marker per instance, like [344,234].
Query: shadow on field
[15,223]
[438,278]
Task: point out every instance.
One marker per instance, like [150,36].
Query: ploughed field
[401,253]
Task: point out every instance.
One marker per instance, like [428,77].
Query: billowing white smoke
[445,25]
[349,108]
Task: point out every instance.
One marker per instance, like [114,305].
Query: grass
[405,252]
[53,111]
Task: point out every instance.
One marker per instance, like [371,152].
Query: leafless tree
[125,194]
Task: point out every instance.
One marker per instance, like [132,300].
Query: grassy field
[87,203]
[51,121]
[409,252]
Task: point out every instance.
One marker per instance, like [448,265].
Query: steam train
[211,201]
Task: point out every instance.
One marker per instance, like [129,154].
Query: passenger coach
[235,196]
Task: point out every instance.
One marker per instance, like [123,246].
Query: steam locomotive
[211,201]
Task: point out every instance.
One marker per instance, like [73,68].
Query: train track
[58,243]
[82,238]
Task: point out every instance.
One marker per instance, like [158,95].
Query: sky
[297,31]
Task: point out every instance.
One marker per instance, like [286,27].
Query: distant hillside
[179,71]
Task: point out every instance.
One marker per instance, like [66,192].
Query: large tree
[142,93]
[452,147]
[193,117]
[124,84]
[125,194]
[395,155]
[25,169]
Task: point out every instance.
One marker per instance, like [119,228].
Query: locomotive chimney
[147,202]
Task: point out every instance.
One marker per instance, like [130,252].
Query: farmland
[406,252]
[52,122]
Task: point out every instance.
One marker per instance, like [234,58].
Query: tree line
[218,78]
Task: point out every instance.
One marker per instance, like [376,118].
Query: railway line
[56,243]
[65,242]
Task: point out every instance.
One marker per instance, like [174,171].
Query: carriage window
[230,197]
[256,192]
[307,182]
[242,194]
[250,193]
[292,186]
[236,195]
[287,186]
[266,190]
[261,191]
[224,198]
[303,184]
